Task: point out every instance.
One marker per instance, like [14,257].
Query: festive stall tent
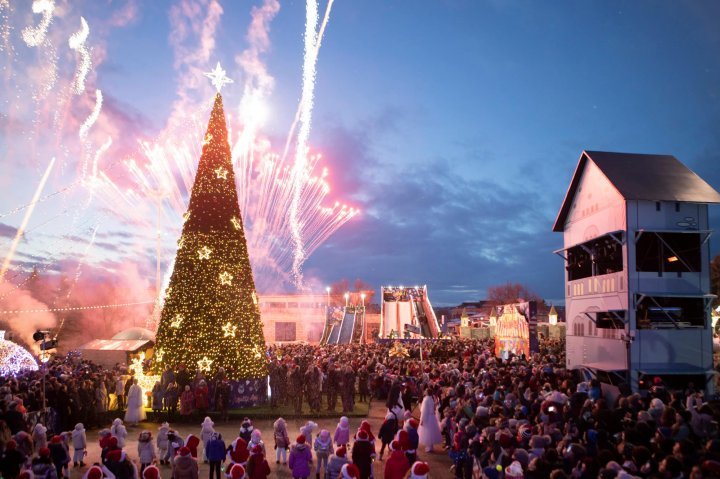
[120,348]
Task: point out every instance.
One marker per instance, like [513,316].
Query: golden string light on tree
[212,281]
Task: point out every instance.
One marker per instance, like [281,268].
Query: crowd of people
[495,418]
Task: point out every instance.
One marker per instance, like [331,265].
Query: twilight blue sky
[454,125]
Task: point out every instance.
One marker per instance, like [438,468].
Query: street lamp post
[362,297]
[347,298]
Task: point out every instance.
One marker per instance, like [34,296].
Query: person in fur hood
[79,442]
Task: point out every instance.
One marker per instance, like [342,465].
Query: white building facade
[637,261]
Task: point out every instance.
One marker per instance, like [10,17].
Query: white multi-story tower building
[637,261]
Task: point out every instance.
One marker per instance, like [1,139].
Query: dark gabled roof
[641,177]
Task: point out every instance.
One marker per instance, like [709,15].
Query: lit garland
[214,294]
[14,358]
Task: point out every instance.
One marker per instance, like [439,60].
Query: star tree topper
[218,77]
[204,364]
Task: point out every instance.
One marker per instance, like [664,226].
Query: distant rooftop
[641,177]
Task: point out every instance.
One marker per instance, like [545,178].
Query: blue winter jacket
[215,449]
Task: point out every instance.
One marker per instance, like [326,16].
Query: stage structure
[637,283]
[516,329]
[407,313]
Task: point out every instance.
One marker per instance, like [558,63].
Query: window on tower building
[668,252]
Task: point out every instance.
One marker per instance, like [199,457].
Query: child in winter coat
[342,432]
[362,453]
[387,431]
[336,462]
[59,456]
[39,436]
[413,440]
[146,450]
[175,442]
[397,464]
[42,466]
[282,441]
[246,429]
[162,441]
[215,453]
[206,432]
[307,431]
[257,466]
[300,459]
[79,440]
[323,448]
[118,430]
[256,440]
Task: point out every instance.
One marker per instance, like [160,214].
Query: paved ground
[439,461]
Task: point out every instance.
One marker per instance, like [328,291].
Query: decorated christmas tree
[211,317]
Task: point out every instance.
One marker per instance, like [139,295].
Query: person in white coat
[135,411]
[429,432]
[79,442]
[206,432]
[118,430]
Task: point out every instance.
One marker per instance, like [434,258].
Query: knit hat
[184,451]
[151,472]
[237,471]
[419,470]
[56,440]
[522,456]
[95,473]
[350,471]
[44,452]
[300,439]
[341,451]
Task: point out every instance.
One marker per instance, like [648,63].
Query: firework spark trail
[98,154]
[300,172]
[85,128]
[5,28]
[26,218]
[316,51]
[77,42]
[35,36]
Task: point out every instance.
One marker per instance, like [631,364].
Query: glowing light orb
[14,358]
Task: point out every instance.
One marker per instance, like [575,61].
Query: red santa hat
[300,439]
[365,426]
[151,472]
[413,423]
[44,452]
[184,451]
[341,451]
[350,471]
[362,435]
[395,445]
[94,473]
[419,470]
[56,440]
[237,471]
[28,474]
